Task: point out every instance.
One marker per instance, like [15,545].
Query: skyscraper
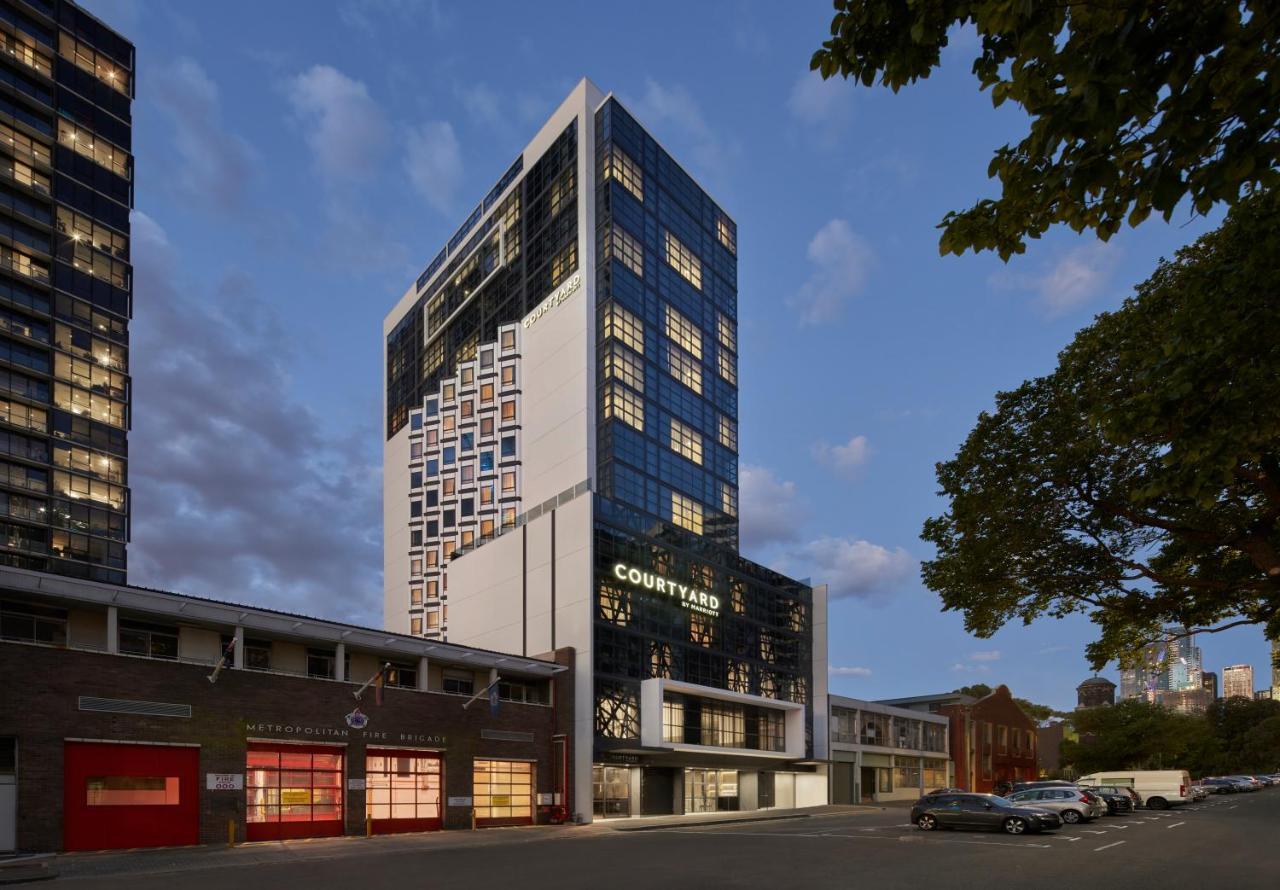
[1237,681]
[1171,665]
[1209,683]
[561,470]
[65,289]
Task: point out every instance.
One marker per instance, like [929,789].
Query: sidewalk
[655,823]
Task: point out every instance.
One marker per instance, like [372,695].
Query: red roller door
[121,796]
[293,791]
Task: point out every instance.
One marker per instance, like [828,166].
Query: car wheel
[1157,803]
[1015,826]
[1071,817]
[927,822]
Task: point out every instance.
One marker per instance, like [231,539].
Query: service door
[119,796]
[293,791]
[402,790]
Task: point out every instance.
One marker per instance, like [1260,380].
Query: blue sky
[299,162]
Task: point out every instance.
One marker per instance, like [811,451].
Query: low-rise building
[880,753]
[992,741]
[136,718]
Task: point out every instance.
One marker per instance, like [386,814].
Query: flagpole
[367,683]
[469,702]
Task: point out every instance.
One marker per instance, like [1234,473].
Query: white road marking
[1063,837]
[1107,846]
[1120,827]
[1175,824]
[1232,808]
[1091,831]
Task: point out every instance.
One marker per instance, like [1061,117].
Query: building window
[935,737]
[702,629]
[33,624]
[466,408]
[622,364]
[503,789]
[683,260]
[508,517]
[622,325]
[686,513]
[683,368]
[905,777]
[727,232]
[150,640]
[132,791]
[728,499]
[673,721]
[415,596]
[615,605]
[486,427]
[88,144]
[660,660]
[486,494]
[509,482]
[620,244]
[508,375]
[507,339]
[88,59]
[402,785]
[617,713]
[320,664]
[683,332]
[738,596]
[486,393]
[624,405]
[875,729]
[727,367]
[726,331]
[739,677]
[686,441]
[458,682]
[508,411]
[563,263]
[843,723]
[508,446]
[618,165]
[563,189]
[403,676]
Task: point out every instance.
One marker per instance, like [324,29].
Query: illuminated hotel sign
[689,597]
[558,296]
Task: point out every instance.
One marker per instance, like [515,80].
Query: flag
[493,699]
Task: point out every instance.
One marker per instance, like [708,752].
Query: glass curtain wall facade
[666,311]
[66,290]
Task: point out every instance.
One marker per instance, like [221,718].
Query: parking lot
[1226,841]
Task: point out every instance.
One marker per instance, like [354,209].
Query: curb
[705,823]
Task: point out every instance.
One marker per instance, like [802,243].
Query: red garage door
[120,796]
[293,791]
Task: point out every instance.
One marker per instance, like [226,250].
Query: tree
[1134,735]
[1038,713]
[1247,733]
[1139,483]
[1133,105]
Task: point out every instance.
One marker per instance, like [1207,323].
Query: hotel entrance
[710,790]
[293,791]
[611,790]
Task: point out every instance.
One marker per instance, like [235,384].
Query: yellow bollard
[231,832]
[473,818]
[368,826]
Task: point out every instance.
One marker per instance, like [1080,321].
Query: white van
[1158,788]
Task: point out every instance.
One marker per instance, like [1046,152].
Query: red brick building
[119,738]
[992,741]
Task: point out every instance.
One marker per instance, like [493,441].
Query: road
[1227,841]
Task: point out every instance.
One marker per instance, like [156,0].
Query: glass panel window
[728,499]
[728,433]
[683,368]
[683,332]
[622,325]
[509,411]
[88,59]
[686,512]
[726,331]
[22,47]
[618,165]
[727,232]
[624,405]
[615,605]
[686,441]
[132,791]
[402,785]
[620,244]
[502,789]
[150,641]
[727,367]
[683,260]
[622,364]
[88,144]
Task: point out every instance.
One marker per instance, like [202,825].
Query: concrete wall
[395,529]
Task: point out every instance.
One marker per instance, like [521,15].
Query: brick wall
[41,686]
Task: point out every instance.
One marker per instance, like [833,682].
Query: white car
[1159,789]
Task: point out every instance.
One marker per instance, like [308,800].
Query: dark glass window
[508,446]
[433,468]
[450,456]
[415,421]
[433,497]
[415,479]
[467,441]
[486,461]
[150,640]
[459,682]
[467,507]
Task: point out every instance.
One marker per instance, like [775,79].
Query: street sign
[224,781]
[459,801]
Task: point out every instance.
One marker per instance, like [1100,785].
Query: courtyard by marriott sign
[689,597]
[558,296]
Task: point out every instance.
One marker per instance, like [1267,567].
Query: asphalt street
[1227,841]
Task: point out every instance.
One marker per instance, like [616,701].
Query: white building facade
[881,753]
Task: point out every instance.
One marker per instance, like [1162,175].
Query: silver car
[1072,804]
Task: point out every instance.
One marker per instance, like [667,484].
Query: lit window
[686,512]
[486,393]
[624,405]
[686,441]
[415,625]
[728,499]
[618,165]
[433,558]
[508,340]
[447,424]
[448,392]
[23,48]
[508,411]
[563,263]
[563,190]
[683,332]
[726,331]
[433,619]
[725,363]
[509,482]
[508,517]
[622,325]
[728,433]
[415,596]
[96,63]
[468,376]
[467,408]
[702,629]
[615,605]
[88,144]
[683,368]
[502,789]
[508,375]
[683,260]
[620,244]
[727,232]
[623,364]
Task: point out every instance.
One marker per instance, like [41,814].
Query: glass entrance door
[611,789]
[710,790]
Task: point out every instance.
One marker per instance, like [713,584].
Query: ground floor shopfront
[621,789]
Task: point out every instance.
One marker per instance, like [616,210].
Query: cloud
[851,568]
[848,671]
[815,102]
[240,491]
[960,668]
[674,107]
[771,510]
[214,166]
[841,260]
[987,655]
[344,127]
[1073,279]
[370,15]
[482,103]
[433,161]
[846,458]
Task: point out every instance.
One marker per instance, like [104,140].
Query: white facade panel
[395,532]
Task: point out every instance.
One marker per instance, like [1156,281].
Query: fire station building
[132,718]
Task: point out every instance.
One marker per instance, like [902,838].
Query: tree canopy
[1139,483]
[1133,105]
[1038,713]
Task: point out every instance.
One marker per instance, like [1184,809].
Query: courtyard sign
[689,597]
[558,296]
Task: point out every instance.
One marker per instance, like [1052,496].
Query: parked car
[1015,787]
[1248,783]
[1198,792]
[1219,785]
[1160,789]
[1071,803]
[1134,797]
[1266,780]
[1117,802]
[980,811]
